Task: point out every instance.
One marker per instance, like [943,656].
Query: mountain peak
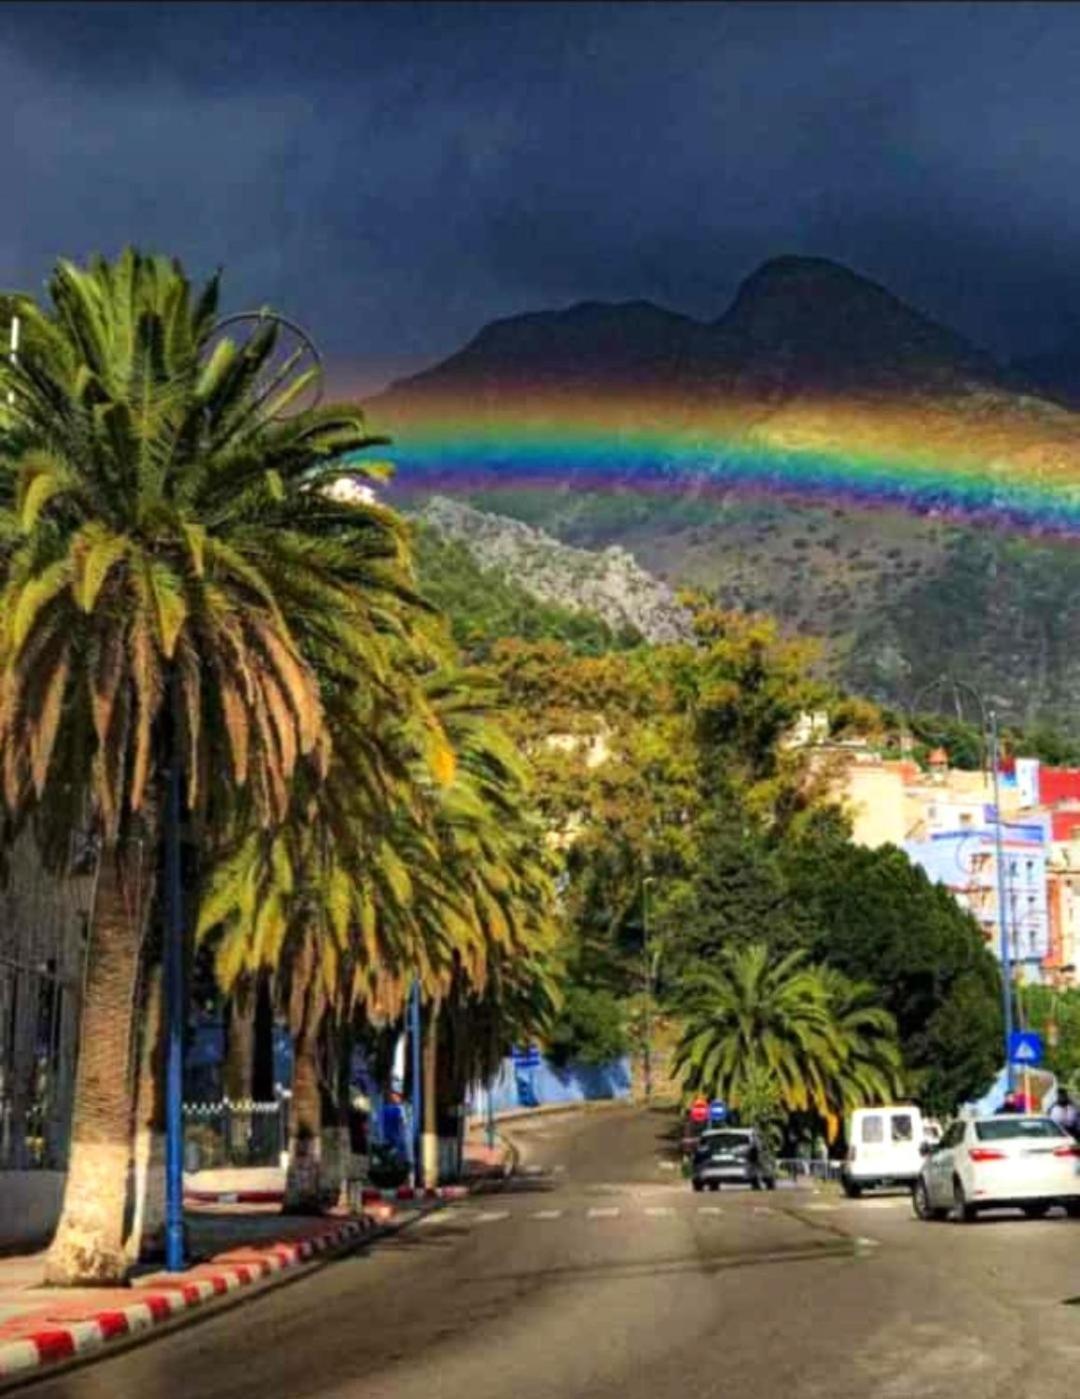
[811,321]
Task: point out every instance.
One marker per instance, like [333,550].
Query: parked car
[883,1148]
[1027,1163]
[733,1156]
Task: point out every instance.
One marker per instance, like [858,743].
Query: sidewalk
[233,1245]
[40,1325]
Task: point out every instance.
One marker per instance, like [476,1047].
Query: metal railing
[43,921]
[227,1134]
[802,1171]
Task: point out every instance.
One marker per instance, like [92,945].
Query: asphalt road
[599,1273]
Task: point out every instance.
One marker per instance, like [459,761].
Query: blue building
[963,857]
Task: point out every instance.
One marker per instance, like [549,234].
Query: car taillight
[1072,1150]
[985,1153]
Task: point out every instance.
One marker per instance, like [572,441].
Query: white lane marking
[534,1170]
[603,1212]
[883,1204]
[764,1209]
[658,1210]
[558,1170]
[823,1208]
[546,1214]
[709,1209]
[867,1243]
[667,1165]
[492,1216]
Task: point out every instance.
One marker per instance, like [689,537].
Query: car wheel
[920,1203]
[1037,1209]
[1072,1208]
[715,1185]
[962,1211]
[851,1190]
[698,1184]
[770,1182]
[755,1182]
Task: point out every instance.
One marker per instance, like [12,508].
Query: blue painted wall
[575,1083]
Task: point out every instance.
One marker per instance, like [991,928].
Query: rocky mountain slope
[809,354]
[608,583]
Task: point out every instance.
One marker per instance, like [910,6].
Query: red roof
[1064,824]
[1058,785]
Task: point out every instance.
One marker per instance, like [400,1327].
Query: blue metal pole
[417,1087]
[175,1011]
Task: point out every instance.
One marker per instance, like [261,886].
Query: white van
[884,1147]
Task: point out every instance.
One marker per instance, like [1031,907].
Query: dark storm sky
[395,175]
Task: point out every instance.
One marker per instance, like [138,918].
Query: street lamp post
[1002,893]
[988,720]
[175,1007]
[417,1088]
[647,880]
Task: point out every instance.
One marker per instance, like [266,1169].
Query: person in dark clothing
[1010,1103]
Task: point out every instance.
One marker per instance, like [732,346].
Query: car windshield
[1005,1129]
[725,1141]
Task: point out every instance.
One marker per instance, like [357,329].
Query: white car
[883,1148]
[982,1163]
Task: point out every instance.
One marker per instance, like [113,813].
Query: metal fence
[226,1134]
[804,1172]
[43,923]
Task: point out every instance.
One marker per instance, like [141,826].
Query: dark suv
[733,1156]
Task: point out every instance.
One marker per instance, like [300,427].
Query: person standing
[1064,1112]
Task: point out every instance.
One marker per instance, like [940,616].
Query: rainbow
[965,461]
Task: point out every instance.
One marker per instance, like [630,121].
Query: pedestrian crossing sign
[1025,1048]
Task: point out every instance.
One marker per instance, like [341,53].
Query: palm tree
[429,873]
[166,545]
[873,1064]
[811,1034]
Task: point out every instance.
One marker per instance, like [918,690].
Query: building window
[1031,871]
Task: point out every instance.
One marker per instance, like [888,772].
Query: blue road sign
[527,1058]
[717,1110]
[1025,1048]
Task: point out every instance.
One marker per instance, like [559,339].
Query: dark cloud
[395,175]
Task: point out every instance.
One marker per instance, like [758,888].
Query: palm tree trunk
[303,1193]
[146,1237]
[88,1247]
[239,1072]
[430,1136]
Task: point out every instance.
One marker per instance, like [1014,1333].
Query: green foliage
[876,917]
[590,1029]
[1056,1016]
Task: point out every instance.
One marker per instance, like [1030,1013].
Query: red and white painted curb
[369,1195]
[160,1299]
